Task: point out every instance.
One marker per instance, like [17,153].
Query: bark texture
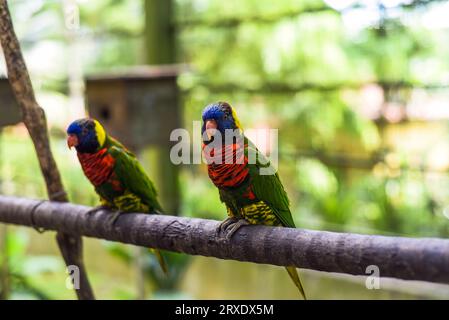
[36,124]
[425,259]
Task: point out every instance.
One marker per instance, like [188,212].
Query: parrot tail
[295,277]
[161,260]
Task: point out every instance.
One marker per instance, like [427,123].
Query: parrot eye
[225,116]
[85,131]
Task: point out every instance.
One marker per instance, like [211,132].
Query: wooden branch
[36,124]
[283,88]
[404,258]
[234,22]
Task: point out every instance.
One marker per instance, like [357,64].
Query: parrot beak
[72,141]
[211,128]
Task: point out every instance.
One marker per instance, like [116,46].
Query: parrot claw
[113,219]
[225,224]
[96,209]
[236,226]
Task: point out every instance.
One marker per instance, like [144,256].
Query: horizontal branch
[233,22]
[423,259]
[345,161]
[269,88]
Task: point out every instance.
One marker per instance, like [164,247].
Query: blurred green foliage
[275,74]
[22,268]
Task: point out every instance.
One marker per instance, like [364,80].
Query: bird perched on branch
[114,171]
[248,184]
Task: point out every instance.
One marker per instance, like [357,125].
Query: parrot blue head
[86,135]
[219,116]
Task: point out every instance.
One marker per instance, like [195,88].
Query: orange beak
[72,141]
[211,128]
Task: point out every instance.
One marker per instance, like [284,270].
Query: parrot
[249,196]
[117,176]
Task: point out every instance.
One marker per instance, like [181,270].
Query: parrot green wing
[112,142]
[133,177]
[269,188]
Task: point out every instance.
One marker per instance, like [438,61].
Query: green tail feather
[161,260]
[295,277]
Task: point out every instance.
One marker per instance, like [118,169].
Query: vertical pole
[159,32]
[74,68]
[160,49]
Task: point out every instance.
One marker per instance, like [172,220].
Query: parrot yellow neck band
[101,133]
[236,120]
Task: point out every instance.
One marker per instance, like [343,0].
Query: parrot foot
[113,219]
[236,226]
[96,209]
[225,224]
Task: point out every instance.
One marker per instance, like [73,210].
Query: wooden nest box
[139,106]
[10,113]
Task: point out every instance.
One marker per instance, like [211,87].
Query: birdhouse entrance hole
[105,112]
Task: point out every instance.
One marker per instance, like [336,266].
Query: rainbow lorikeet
[114,171]
[250,197]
